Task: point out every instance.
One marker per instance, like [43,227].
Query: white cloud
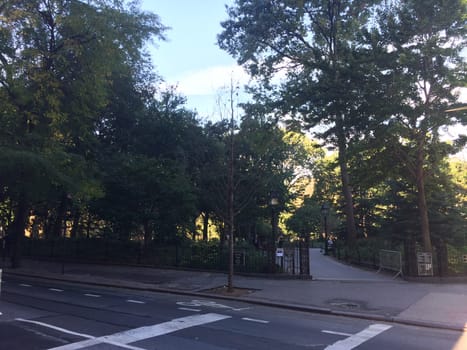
[210,80]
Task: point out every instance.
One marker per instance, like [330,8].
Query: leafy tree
[306,219]
[56,60]
[324,49]
[424,40]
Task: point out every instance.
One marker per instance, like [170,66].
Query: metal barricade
[390,260]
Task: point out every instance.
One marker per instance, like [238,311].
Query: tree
[56,60]
[306,219]
[424,40]
[324,49]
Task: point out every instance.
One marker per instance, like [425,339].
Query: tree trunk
[147,233]
[205,226]
[58,224]
[17,232]
[410,257]
[347,192]
[75,229]
[442,257]
[421,199]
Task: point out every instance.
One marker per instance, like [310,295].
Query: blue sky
[190,58]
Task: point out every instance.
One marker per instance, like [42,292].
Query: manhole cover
[346,305]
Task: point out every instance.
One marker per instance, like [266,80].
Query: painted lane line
[359,338]
[138,334]
[254,320]
[92,295]
[56,290]
[337,333]
[25,285]
[63,330]
[135,301]
[241,309]
[189,309]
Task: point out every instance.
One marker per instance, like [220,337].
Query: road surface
[41,315]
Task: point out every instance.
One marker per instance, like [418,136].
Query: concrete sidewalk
[335,289]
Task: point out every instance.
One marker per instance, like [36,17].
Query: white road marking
[55,290]
[135,301]
[208,303]
[63,330]
[241,309]
[137,334]
[359,338]
[25,285]
[189,309]
[92,295]
[337,333]
[254,320]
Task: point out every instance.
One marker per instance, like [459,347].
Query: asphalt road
[41,315]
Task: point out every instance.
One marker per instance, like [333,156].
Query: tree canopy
[348,107]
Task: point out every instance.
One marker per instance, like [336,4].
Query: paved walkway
[327,268]
[336,288]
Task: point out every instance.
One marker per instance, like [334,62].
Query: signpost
[425,264]
[239,258]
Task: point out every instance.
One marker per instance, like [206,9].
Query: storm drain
[346,305]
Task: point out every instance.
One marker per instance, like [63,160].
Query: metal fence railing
[200,255]
[390,260]
[371,256]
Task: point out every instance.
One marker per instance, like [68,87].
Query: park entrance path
[324,267]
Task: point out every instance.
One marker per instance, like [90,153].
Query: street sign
[239,258]
[280,252]
[425,264]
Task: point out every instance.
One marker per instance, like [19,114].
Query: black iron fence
[367,253]
[200,255]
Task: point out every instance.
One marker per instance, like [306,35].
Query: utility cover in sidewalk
[345,304]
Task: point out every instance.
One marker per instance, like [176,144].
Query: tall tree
[425,40]
[324,50]
[56,62]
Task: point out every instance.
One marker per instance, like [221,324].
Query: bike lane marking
[357,339]
[146,332]
[208,303]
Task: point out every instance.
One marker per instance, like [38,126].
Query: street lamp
[325,213]
[273,202]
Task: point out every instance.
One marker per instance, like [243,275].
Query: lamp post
[273,202]
[325,213]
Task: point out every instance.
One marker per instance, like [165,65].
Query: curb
[295,307]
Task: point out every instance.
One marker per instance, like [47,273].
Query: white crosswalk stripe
[142,333]
[359,338]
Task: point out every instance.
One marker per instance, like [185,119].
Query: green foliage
[88,140]
[306,219]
